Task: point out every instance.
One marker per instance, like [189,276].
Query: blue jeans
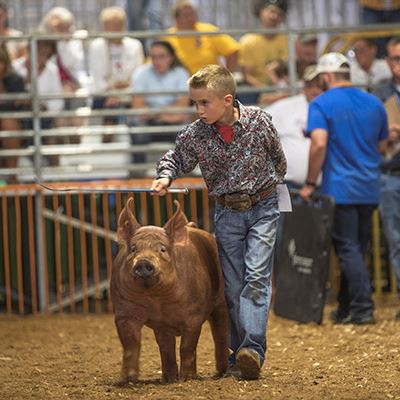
[389,208]
[351,234]
[246,242]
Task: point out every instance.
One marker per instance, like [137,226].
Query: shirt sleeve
[275,149]
[225,45]
[316,118]
[179,161]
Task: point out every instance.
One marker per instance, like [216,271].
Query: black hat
[258,5]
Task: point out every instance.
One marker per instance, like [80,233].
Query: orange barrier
[77,242]
[66,266]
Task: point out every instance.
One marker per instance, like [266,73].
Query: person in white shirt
[289,117]
[366,69]
[69,55]
[48,80]
[113,61]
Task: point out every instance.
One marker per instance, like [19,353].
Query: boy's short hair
[215,78]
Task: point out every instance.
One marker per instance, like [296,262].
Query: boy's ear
[228,99]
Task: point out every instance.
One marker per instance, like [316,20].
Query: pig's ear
[176,226]
[127,223]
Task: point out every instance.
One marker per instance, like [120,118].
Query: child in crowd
[241,159]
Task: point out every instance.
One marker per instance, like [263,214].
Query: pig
[169,279]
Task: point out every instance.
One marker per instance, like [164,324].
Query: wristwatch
[309,183]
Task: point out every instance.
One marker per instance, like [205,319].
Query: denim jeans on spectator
[246,246]
[351,234]
[389,208]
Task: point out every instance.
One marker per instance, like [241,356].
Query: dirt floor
[78,357]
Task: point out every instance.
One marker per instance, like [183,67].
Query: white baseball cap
[331,62]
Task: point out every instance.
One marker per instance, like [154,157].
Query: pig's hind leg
[189,340]
[167,345]
[219,327]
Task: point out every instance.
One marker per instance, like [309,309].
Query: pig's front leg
[129,335]
[189,342]
[166,343]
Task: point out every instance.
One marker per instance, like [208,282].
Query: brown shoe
[249,363]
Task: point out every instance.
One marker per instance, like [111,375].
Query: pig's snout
[143,269]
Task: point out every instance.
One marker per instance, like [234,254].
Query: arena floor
[78,357]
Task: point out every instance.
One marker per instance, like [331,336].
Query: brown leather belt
[242,201]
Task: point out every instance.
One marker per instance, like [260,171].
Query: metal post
[292,62]
[38,172]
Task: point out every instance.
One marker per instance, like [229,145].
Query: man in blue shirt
[346,126]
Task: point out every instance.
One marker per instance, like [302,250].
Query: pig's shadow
[155,381]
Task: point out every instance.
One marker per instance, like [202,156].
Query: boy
[242,161]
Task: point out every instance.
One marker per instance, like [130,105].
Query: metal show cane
[89,190]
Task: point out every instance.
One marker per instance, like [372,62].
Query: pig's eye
[133,248]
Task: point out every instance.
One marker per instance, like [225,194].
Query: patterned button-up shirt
[253,161]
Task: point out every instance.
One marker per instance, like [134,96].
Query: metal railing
[38,152]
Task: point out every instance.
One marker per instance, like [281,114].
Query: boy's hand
[160,186]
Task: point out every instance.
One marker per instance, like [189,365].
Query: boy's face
[210,106]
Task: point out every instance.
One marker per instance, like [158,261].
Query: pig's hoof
[126,380]
[170,379]
[188,377]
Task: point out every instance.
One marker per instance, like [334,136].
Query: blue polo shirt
[356,121]
[147,79]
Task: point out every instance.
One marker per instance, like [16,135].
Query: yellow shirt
[194,52]
[257,50]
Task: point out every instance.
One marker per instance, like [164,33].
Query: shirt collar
[244,115]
